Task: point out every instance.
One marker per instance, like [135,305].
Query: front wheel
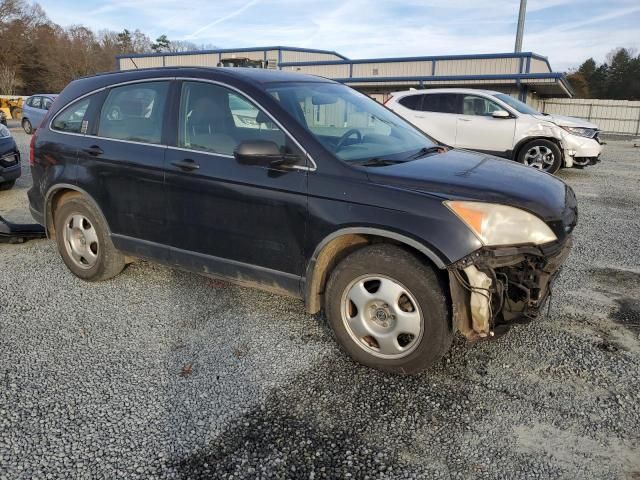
[542,154]
[388,310]
[26,125]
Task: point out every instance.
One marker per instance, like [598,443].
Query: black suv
[302,186]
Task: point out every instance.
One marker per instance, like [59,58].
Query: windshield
[517,104]
[349,124]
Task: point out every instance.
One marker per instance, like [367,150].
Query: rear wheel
[26,125]
[388,310]
[83,241]
[7,185]
[542,154]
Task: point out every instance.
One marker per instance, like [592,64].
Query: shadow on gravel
[628,314]
[328,422]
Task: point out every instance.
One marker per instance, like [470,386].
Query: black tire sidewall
[7,185]
[419,279]
[109,259]
[543,143]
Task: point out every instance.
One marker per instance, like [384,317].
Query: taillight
[32,150]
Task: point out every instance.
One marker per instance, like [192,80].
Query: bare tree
[8,80]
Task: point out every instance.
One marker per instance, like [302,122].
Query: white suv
[498,124]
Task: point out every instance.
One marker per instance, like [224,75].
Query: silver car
[34,110]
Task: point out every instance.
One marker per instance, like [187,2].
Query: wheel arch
[53,198]
[337,245]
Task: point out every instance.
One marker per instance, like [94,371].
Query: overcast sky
[566,31]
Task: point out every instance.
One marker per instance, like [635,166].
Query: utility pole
[521,15]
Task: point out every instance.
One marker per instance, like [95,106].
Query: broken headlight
[497,225]
[580,131]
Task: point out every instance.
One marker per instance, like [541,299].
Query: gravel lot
[164,374]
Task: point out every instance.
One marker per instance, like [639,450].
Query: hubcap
[540,157]
[81,241]
[382,316]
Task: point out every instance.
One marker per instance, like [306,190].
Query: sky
[565,31]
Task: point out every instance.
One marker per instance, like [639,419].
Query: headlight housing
[580,131]
[498,225]
[4,132]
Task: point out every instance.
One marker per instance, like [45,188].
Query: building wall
[538,66]
[296,56]
[478,66]
[612,116]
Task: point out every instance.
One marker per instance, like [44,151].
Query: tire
[83,241]
[26,125]
[388,272]
[542,154]
[7,185]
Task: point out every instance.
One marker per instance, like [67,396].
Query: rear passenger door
[227,218]
[121,162]
[439,115]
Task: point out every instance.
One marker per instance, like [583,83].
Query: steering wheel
[345,137]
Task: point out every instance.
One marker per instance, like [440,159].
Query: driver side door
[242,221]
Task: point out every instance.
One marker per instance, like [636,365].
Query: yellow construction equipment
[11,105]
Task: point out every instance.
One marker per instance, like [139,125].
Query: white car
[498,124]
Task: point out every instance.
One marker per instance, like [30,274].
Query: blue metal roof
[231,50]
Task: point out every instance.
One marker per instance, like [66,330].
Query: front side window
[517,104]
[216,119]
[46,103]
[480,106]
[71,118]
[349,124]
[134,112]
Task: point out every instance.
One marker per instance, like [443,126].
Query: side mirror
[264,153]
[500,114]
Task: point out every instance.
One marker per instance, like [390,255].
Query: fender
[314,281]
[67,186]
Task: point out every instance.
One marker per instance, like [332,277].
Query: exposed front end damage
[494,286]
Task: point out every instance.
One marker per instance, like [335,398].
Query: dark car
[302,186]
[10,168]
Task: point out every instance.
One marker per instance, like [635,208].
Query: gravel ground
[164,374]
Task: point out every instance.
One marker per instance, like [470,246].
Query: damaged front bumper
[495,286]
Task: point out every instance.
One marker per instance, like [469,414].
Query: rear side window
[36,102]
[442,103]
[134,112]
[71,119]
[412,102]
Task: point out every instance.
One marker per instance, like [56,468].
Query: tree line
[38,55]
[618,78]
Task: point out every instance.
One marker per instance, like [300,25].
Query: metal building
[526,75]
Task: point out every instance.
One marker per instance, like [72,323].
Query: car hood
[465,175]
[566,121]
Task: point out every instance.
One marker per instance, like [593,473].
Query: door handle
[94,150]
[464,119]
[186,164]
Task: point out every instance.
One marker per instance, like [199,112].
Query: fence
[621,117]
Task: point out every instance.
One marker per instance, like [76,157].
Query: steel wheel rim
[387,321]
[81,241]
[540,157]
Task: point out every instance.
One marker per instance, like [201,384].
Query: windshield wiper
[377,162]
[425,151]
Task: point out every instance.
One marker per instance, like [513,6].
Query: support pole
[520,32]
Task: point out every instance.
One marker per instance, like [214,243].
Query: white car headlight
[581,132]
[4,131]
[496,224]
